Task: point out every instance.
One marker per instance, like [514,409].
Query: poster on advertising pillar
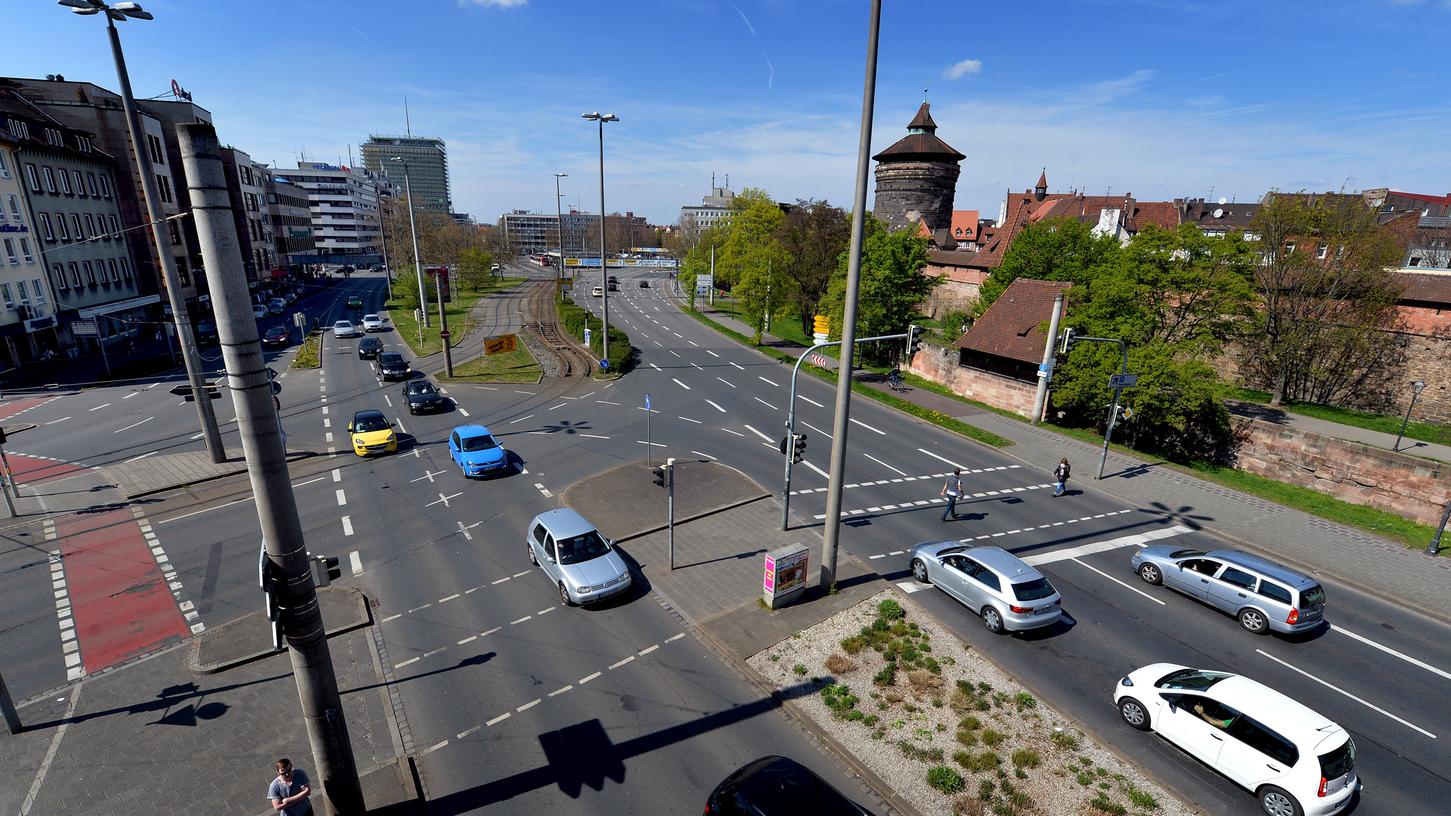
[785,575]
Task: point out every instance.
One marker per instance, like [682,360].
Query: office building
[427,161]
[696,218]
[246,187]
[343,202]
[290,214]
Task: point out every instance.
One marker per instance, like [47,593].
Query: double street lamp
[559,216]
[120,12]
[602,118]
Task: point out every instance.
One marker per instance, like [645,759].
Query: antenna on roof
[1210,197]
[925,86]
[407,122]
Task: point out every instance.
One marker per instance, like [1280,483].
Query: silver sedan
[1008,594]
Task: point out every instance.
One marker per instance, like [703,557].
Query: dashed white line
[347,525]
[735,433]
[706,455]
[356,561]
[142,456]
[588,678]
[1333,687]
[711,353]
[54,421]
[594,436]
[758,433]
[814,428]
[342,498]
[810,400]
[679,383]
[688,419]
[619,663]
[738,365]
[520,419]
[884,464]
[712,404]
[767,404]
[500,718]
[868,427]
[941,458]
[560,405]
[105,404]
[727,382]
[559,691]
[134,425]
[770,382]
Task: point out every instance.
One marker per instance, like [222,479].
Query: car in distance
[390,365]
[421,395]
[1297,762]
[372,323]
[475,451]
[259,311]
[1262,595]
[369,348]
[644,284]
[355,302]
[582,563]
[775,785]
[597,292]
[372,433]
[1005,592]
[277,336]
[277,306]
[345,328]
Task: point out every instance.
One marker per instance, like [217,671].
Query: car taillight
[1321,791]
[1021,610]
[1294,618]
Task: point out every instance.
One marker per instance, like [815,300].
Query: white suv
[1297,762]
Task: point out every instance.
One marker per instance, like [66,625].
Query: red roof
[1009,328]
[1431,199]
[1042,179]
[964,225]
[1423,287]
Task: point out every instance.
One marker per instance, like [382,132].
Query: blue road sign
[647,402]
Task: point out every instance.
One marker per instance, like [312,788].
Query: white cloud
[496,3]
[967,67]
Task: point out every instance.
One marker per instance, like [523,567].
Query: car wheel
[1253,621]
[564,595]
[1276,802]
[1151,575]
[919,571]
[532,558]
[1134,713]
[992,619]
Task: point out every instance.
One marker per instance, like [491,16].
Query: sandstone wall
[940,366]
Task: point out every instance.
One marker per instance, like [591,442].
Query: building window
[91,184]
[65,182]
[65,233]
[125,269]
[164,185]
[4,168]
[175,233]
[80,182]
[84,143]
[111,267]
[5,295]
[105,186]
[45,227]
[25,250]
[24,295]
[10,252]
[157,157]
[76,227]
[32,178]
[90,274]
[91,226]
[75,275]
[50,179]
[115,228]
[15,208]
[39,292]
[60,281]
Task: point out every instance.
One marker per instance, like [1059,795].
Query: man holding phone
[289,791]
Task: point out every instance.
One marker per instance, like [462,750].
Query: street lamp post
[1416,388]
[604,267]
[417,264]
[120,12]
[559,216]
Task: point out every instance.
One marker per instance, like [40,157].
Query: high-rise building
[427,161]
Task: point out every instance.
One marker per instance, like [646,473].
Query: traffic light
[659,473]
[798,448]
[914,339]
[1068,340]
[266,580]
[325,568]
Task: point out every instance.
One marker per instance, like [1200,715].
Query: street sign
[501,344]
[444,334]
[647,402]
[271,373]
[1123,381]
[604,364]
[820,324]
[703,284]
[84,328]
[276,387]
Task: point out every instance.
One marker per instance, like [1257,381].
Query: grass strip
[307,353]
[517,366]
[460,321]
[574,319]
[1424,431]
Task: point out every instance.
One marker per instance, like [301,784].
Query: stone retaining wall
[940,366]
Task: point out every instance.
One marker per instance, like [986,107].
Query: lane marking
[711,353]
[104,404]
[606,402]
[410,661]
[767,404]
[560,405]
[717,407]
[940,458]
[706,455]
[620,663]
[337,474]
[758,433]
[810,400]
[356,561]
[500,718]
[688,419]
[50,752]
[469,732]
[342,497]
[1117,581]
[1367,641]
[1333,687]
[652,444]
[588,678]
[769,382]
[648,649]
[729,431]
[1137,539]
[737,365]
[679,383]
[528,705]
[142,456]
[138,424]
[560,691]
[868,427]
[814,428]
[463,411]
[54,421]
[448,598]
[386,399]
[468,536]
[884,464]
[544,490]
[347,525]
[727,382]
[823,474]
[594,436]
[520,419]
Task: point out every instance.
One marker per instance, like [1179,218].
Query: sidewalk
[1325,427]
[1350,556]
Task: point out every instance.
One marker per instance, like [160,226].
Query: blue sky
[1161,98]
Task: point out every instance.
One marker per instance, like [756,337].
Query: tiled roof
[964,225]
[1042,179]
[1423,287]
[1009,328]
[923,119]
[920,146]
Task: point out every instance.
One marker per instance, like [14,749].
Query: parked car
[372,323]
[277,306]
[345,328]
[1297,762]
[369,348]
[476,452]
[259,311]
[371,433]
[778,786]
[1009,595]
[277,336]
[573,554]
[390,365]
[355,302]
[597,292]
[421,395]
[1263,595]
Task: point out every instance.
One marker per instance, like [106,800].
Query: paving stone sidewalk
[156,474]
[1348,555]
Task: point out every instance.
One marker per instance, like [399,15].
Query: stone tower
[917,176]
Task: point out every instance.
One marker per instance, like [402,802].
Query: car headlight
[392,437]
[584,589]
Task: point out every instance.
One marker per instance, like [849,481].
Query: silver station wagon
[1263,595]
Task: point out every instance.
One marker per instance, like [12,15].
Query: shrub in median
[945,779]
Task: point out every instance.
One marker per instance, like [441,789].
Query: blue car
[475,451]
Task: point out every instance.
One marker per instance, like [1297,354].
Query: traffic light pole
[791,417]
[251,389]
[1068,340]
[670,507]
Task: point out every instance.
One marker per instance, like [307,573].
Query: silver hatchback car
[1008,594]
[1263,595]
[580,561]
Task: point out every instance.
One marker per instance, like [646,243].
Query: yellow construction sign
[821,325]
[502,344]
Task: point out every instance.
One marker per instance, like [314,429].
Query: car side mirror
[350,427]
[393,424]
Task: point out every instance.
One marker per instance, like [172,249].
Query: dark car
[277,336]
[776,786]
[355,302]
[421,395]
[206,333]
[390,365]
[612,279]
[644,284]
[369,347]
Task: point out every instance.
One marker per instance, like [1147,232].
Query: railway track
[541,319]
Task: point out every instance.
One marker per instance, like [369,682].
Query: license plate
[1044,610]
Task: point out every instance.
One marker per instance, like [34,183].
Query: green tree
[892,285]
[813,235]
[1059,249]
[751,260]
[474,266]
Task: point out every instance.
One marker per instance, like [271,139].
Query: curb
[291,457]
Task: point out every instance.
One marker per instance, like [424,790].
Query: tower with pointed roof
[917,177]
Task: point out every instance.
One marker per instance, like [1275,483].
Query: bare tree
[814,234]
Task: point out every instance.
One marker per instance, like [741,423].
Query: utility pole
[262,445]
[8,486]
[848,327]
[438,285]
[383,233]
[1435,544]
[1045,371]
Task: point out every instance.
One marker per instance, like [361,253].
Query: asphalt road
[484,654]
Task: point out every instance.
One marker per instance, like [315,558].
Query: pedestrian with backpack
[952,489]
[1060,474]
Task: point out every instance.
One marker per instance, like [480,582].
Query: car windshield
[390,358]
[277,331]
[366,423]
[423,387]
[481,442]
[342,324]
[1191,679]
[585,547]
[1338,762]
[1034,590]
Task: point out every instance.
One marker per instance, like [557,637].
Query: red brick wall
[940,366]
[1408,486]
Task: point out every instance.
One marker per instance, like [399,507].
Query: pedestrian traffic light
[325,568]
[798,447]
[659,472]
[914,339]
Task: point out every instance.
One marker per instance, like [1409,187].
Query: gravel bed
[1045,765]
[547,359]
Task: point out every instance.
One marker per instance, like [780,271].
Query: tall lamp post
[1416,388]
[417,264]
[604,277]
[559,216]
[120,12]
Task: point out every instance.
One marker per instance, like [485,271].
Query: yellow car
[372,433]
